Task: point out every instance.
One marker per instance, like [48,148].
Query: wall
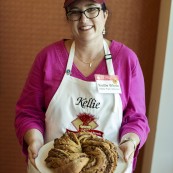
[28,26]
[158,156]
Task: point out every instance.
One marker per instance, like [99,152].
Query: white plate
[43,153]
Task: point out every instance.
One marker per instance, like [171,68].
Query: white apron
[77,105]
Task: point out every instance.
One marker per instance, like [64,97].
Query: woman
[67,81]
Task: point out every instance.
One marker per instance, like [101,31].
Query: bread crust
[82,152]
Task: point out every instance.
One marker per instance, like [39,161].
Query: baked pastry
[82,152]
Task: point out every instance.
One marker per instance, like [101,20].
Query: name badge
[108,83]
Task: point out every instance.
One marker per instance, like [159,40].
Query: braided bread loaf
[82,152]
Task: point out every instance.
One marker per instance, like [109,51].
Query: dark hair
[104,8]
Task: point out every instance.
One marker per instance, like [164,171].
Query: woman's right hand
[33,150]
[34,140]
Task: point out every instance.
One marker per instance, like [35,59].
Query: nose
[83,18]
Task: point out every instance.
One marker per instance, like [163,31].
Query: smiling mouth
[85,28]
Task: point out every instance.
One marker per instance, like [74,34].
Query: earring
[104,31]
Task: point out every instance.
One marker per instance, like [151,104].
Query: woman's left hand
[128,145]
[128,150]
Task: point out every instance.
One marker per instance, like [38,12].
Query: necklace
[91,62]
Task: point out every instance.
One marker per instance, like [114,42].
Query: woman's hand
[33,150]
[128,150]
[34,139]
[128,146]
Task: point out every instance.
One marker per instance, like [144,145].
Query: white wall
[158,156]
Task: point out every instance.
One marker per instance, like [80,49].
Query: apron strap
[108,58]
[70,59]
[110,68]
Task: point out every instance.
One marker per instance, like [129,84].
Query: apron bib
[78,105]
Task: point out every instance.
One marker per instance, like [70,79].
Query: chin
[90,37]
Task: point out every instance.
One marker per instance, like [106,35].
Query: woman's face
[86,29]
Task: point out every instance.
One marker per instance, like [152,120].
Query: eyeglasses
[90,13]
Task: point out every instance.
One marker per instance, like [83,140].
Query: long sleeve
[43,81]
[134,118]
[133,97]
[30,109]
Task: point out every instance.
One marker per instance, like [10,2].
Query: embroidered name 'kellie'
[89,103]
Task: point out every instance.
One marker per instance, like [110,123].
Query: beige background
[26,26]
